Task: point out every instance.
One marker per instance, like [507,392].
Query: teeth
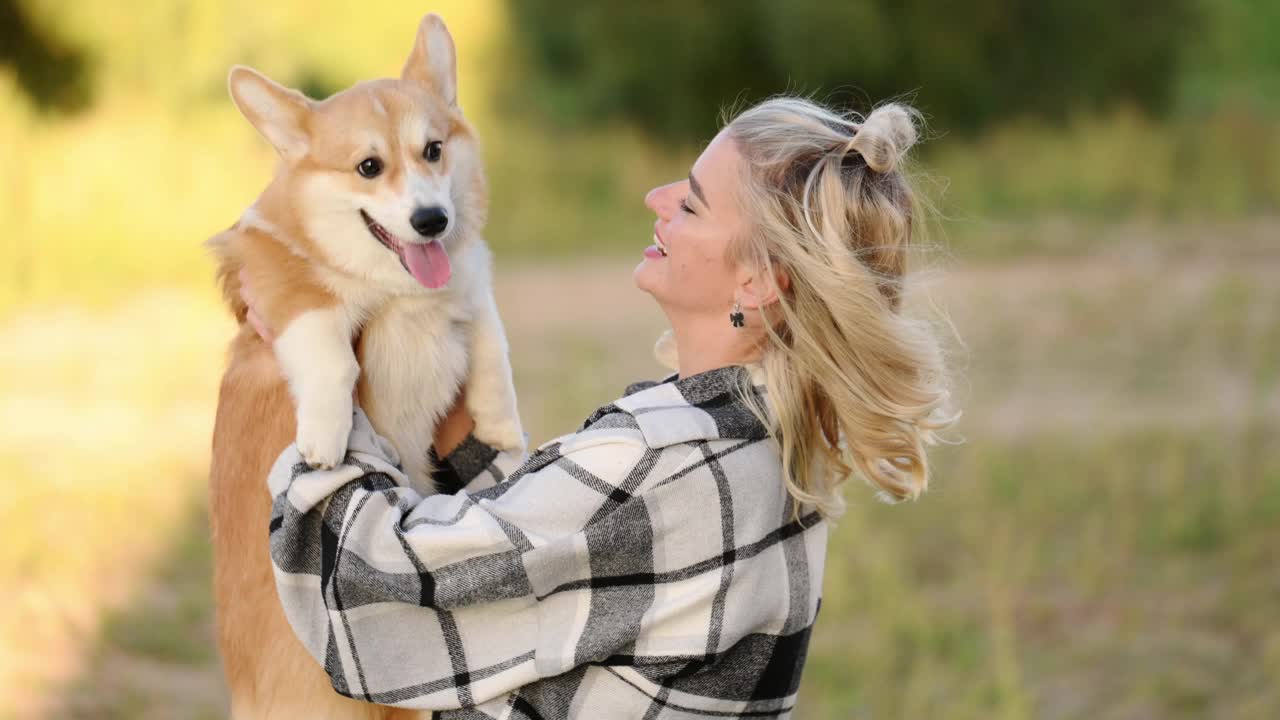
[658,241]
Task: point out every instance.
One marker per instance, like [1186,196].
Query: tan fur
[282,284]
[267,669]
[303,252]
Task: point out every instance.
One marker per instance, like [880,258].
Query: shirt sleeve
[473,466]
[451,600]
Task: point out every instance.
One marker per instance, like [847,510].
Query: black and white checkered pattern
[647,566]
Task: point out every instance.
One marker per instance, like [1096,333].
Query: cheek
[704,253]
[331,193]
[701,274]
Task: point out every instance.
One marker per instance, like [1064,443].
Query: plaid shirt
[646,566]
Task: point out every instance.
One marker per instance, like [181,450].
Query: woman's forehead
[716,170]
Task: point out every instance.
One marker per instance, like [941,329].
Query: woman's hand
[255,320]
[455,426]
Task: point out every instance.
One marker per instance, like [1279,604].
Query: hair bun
[885,136]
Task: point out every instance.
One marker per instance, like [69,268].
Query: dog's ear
[434,61]
[279,113]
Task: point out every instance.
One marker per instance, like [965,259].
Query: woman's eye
[370,167]
[433,150]
[684,205]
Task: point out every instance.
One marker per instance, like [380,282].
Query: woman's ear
[755,292]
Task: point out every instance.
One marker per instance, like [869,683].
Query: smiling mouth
[385,237]
[662,247]
[428,262]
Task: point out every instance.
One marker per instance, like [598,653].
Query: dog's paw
[322,437]
[491,400]
[500,432]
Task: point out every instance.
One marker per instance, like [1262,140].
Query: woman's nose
[653,198]
[661,200]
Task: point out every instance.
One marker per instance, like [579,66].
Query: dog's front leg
[316,356]
[491,392]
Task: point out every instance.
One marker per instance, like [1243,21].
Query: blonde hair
[855,385]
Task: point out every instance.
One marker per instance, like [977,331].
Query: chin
[645,278]
[638,276]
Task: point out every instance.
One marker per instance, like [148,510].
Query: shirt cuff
[455,471]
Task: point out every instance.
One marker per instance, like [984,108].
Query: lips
[657,241]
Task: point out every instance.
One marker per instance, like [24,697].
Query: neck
[709,343]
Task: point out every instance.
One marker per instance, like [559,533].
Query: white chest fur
[415,352]
[413,356]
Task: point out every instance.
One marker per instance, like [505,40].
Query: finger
[260,326]
[246,293]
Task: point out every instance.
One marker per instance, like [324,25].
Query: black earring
[736,317]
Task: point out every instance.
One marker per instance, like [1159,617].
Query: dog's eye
[370,167]
[433,150]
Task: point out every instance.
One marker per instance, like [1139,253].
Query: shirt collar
[706,406]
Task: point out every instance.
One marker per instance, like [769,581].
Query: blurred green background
[1107,245]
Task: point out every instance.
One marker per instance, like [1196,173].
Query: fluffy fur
[347,312]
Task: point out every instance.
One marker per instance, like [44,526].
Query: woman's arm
[450,600]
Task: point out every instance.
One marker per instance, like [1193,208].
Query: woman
[666,559]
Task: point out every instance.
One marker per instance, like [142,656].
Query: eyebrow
[697,190]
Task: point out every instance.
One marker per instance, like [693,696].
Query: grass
[155,657]
[1058,578]
[104,438]
[1117,165]
[1100,547]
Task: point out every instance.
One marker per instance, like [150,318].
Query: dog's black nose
[429,221]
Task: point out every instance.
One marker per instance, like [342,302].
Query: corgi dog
[364,255]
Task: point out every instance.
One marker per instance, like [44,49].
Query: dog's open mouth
[428,262]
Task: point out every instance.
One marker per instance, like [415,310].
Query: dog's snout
[429,221]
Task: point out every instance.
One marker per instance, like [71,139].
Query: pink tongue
[428,263]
